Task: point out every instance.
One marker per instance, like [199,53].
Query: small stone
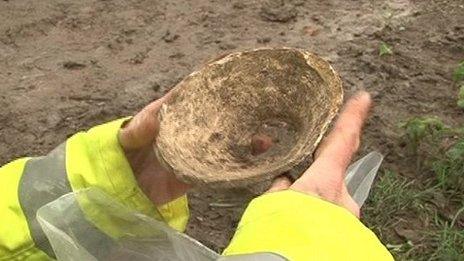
[169,37]
[71,65]
[155,86]
[260,143]
[227,46]
[263,40]
[408,234]
[277,11]
[238,5]
[53,119]
[311,30]
[138,58]
[177,55]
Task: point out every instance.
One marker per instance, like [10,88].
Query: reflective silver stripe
[253,257]
[44,179]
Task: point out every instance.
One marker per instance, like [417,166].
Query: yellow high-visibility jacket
[288,224]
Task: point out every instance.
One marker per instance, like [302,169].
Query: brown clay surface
[68,65]
[212,116]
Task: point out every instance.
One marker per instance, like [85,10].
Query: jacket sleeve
[301,227]
[87,159]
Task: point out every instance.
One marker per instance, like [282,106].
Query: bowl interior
[208,125]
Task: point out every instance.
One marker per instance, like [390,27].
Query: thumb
[143,128]
[280,183]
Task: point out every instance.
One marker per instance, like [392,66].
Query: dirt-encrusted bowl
[208,124]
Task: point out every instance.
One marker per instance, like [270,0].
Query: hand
[137,138]
[325,178]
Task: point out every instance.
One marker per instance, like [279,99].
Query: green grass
[458,75]
[385,49]
[461,97]
[417,129]
[421,216]
[393,200]
[438,149]
[391,194]
[449,168]
[429,201]
[448,240]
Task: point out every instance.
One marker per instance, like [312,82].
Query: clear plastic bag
[360,176]
[89,225]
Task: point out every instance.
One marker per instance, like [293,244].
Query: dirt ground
[68,65]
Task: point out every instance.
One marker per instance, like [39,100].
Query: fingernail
[363,96]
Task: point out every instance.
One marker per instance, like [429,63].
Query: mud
[66,66]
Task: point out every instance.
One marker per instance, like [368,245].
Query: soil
[68,65]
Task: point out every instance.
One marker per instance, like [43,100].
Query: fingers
[343,141]
[280,183]
[142,128]
[325,177]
